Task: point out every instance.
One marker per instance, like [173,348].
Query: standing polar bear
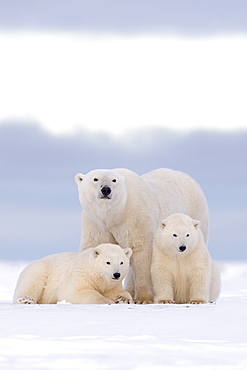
[124,208]
[92,276]
[181,269]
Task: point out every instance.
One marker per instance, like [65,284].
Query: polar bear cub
[182,270]
[92,276]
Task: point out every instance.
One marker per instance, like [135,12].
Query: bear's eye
[175,235]
[187,235]
[121,263]
[95,179]
[114,180]
[108,263]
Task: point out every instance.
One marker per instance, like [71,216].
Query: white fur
[83,277]
[132,213]
[182,270]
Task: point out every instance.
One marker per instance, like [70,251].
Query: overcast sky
[194,18]
[122,84]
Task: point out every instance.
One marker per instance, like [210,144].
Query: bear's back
[178,192]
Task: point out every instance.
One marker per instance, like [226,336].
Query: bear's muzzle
[116,275]
[106,192]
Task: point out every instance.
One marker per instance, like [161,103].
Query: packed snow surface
[140,337]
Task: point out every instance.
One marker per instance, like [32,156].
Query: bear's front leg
[199,286]
[163,290]
[92,235]
[88,296]
[140,265]
[121,296]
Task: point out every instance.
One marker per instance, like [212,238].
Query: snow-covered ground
[64,336]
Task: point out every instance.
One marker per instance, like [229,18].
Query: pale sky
[121,65]
[114,83]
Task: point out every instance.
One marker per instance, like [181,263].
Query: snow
[139,337]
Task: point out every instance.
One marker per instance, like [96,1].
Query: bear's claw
[197,301]
[122,300]
[143,301]
[165,301]
[25,300]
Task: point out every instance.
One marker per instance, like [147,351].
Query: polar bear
[92,276]
[119,206]
[181,269]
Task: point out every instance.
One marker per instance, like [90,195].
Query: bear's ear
[196,224]
[79,178]
[128,252]
[95,253]
[163,224]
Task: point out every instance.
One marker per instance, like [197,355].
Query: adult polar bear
[124,208]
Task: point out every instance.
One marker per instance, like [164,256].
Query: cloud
[59,80]
[128,16]
[40,210]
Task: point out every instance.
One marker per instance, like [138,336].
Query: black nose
[116,275]
[182,248]
[106,191]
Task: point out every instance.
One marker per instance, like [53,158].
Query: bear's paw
[197,301]
[165,301]
[122,300]
[25,300]
[143,301]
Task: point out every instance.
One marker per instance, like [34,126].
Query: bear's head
[111,262]
[101,187]
[178,234]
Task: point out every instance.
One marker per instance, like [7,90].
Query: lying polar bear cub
[92,276]
[181,269]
